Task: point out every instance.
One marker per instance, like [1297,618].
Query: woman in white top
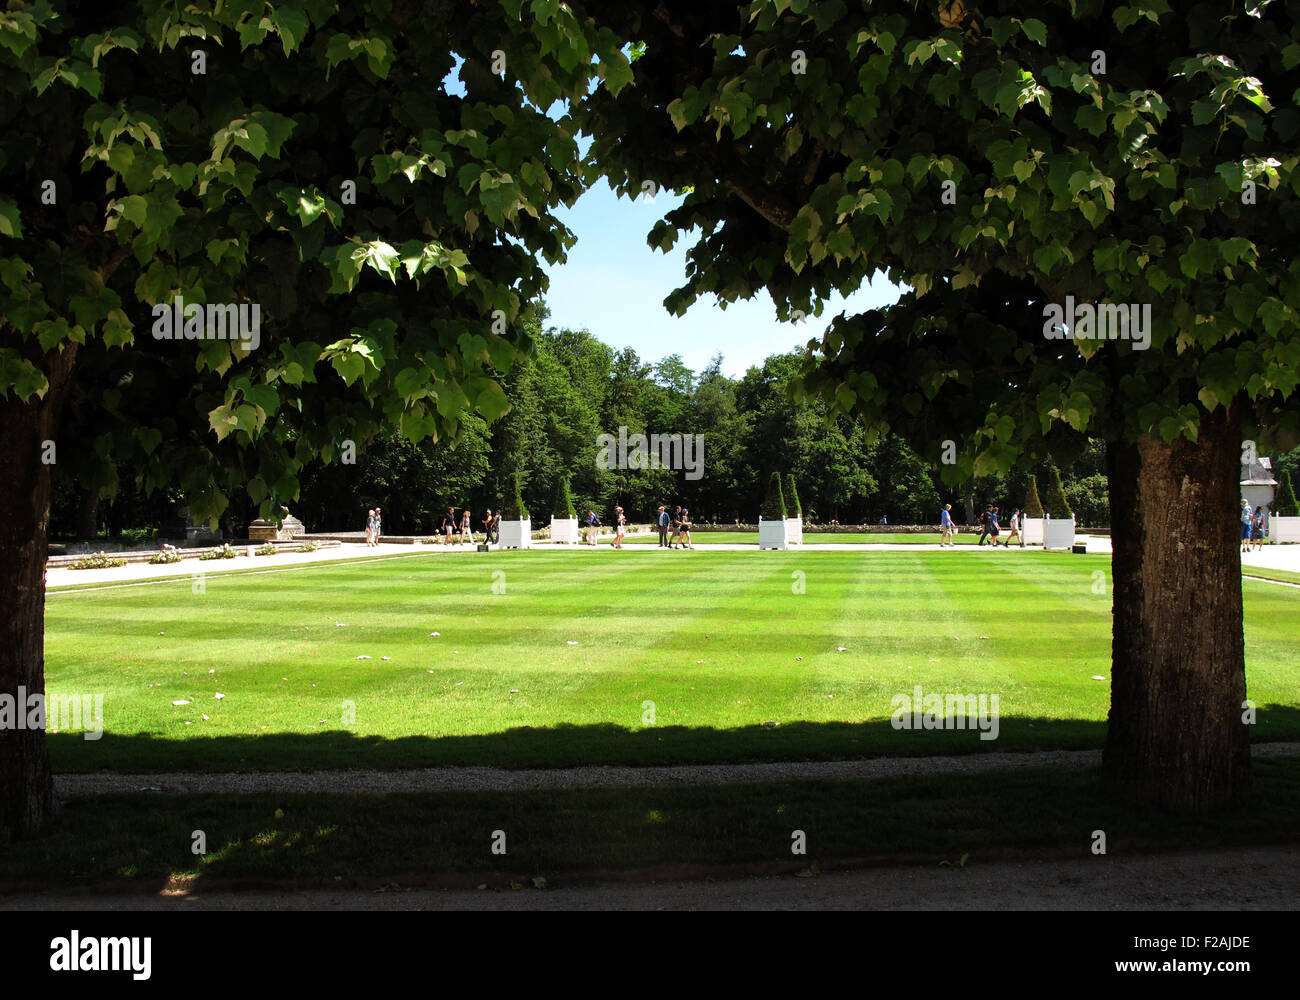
[620,528]
[1015,531]
[464,526]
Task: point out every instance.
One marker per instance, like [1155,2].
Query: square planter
[516,534]
[1032,529]
[1284,529]
[1058,533]
[794,530]
[772,534]
[564,529]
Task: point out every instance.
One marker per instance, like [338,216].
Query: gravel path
[495,779]
[1242,878]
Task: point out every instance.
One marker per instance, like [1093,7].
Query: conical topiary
[773,508]
[563,506]
[514,508]
[1285,505]
[792,497]
[1033,506]
[1057,505]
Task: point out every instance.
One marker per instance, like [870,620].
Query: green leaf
[117,330]
[291,25]
[491,401]
[20,376]
[11,223]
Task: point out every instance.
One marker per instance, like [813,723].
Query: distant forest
[573,389]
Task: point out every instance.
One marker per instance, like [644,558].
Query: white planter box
[772,534]
[1284,529]
[564,529]
[516,534]
[794,530]
[1032,530]
[1058,533]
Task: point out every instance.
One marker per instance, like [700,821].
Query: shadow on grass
[578,745]
[342,841]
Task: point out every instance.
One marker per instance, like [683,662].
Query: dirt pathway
[1253,878]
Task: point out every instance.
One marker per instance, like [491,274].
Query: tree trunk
[1176,736]
[87,515]
[27,801]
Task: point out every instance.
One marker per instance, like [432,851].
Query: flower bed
[98,561]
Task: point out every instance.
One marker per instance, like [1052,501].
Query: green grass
[720,643]
[418,839]
[966,537]
[1271,574]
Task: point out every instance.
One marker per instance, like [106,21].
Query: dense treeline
[573,389]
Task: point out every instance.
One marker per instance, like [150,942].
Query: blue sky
[614,285]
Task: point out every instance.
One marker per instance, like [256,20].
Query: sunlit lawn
[557,658]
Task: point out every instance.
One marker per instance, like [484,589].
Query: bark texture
[27,801]
[1176,736]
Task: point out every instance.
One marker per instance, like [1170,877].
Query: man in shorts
[945,526]
[620,528]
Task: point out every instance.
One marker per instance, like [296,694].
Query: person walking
[496,528]
[465,527]
[663,527]
[994,527]
[448,525]
[985,518]
[488,526]
[1015,530]
[1257,529]
[1246,520]
[370,529]
[945,526]
[675,522]
[593,522]
[686,530]
[620,528]
[379,523]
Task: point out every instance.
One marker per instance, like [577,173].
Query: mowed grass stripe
[714,639]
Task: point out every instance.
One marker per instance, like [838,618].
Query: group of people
[674,528]
[374,525]
[461,529]
[990,527]
[1252,527]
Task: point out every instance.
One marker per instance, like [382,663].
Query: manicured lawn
[965,537]
[561,664]
[342,840]
[1271,574]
